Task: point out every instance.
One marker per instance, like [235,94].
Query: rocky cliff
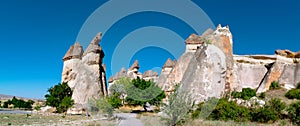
[84,71]
[208,68]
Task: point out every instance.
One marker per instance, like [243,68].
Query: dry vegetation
[54,120]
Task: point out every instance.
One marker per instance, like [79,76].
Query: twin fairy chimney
[84,71]
[206,69]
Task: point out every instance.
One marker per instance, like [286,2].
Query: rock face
[84,71]
[207,69]
[205,75]
[259,71]
[200,71]
[221,38]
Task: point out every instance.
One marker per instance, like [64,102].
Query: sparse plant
[274,85]
[178,107]
[207,41]
[101,105]
[37,108]
[204,109]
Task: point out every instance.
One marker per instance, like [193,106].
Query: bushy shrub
[277,105]
[264,114]
[246,94]
[293,94]
[262,95]
[298,85]
[273,111]
[236,94]
[115,101]
[274,85]
[294,112]
[229,110]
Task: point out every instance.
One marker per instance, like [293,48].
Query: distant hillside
[7,97]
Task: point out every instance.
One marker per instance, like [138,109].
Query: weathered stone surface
[85,75]
[135,65]
[111,79]
[194,39]
[290,75]
[273,74]
[75,51]
[166,70]
[205,74]
[167,81]
[221,38]
[193,42]
[247,76]
[169,63]
[94,45]
[297,55]
[150,73]
[254,101]
[286,53]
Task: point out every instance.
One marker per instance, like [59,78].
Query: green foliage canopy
[60,97]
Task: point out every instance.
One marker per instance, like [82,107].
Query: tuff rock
[205,78]
[84,72]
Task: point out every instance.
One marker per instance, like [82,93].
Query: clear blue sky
[35,35]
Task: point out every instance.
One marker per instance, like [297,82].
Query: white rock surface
[84,72]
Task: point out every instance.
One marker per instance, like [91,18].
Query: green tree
[141,91]
[60,97]
[65,104]
[5,104]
